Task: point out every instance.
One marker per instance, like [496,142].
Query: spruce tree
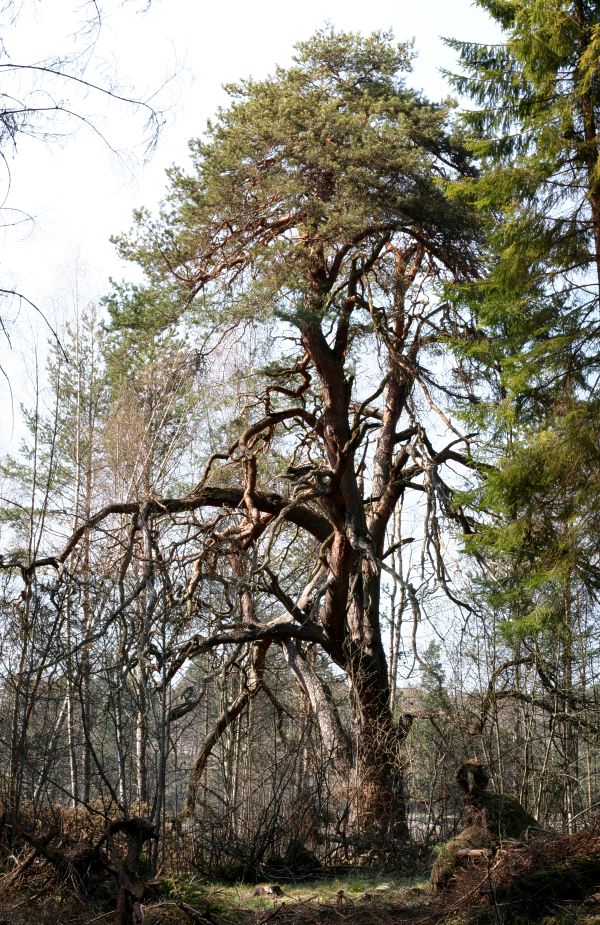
[534,129]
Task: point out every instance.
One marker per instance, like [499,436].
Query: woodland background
[309,516]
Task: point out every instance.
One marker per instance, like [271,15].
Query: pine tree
[317,206]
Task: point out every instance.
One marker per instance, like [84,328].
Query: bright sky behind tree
[79,192]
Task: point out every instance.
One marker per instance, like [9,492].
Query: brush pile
[80,853]
[528,880]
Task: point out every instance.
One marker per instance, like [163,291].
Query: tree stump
[488,819]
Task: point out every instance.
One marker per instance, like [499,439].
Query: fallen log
[473,854]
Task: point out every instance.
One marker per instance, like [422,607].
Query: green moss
[506,818]
[204,896]
[445,862]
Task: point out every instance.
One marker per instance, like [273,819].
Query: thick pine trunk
[351,604]
[380,810]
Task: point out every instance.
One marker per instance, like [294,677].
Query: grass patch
[233,902]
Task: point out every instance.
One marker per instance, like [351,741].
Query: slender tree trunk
[141,736]
[163,757]
[71,730]
[334,740]
[52,745]
[18,728]
[590,134]
[120,739]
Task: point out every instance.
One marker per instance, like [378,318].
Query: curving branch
[266,502]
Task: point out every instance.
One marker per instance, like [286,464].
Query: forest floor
[359,899]
[356,899]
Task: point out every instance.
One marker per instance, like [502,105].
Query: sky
[80,184]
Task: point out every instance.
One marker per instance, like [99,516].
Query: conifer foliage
[534,127]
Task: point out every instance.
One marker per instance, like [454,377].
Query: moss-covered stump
[502,815]
[489,819]
[473,842]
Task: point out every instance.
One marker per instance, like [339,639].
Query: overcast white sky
[79,193]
